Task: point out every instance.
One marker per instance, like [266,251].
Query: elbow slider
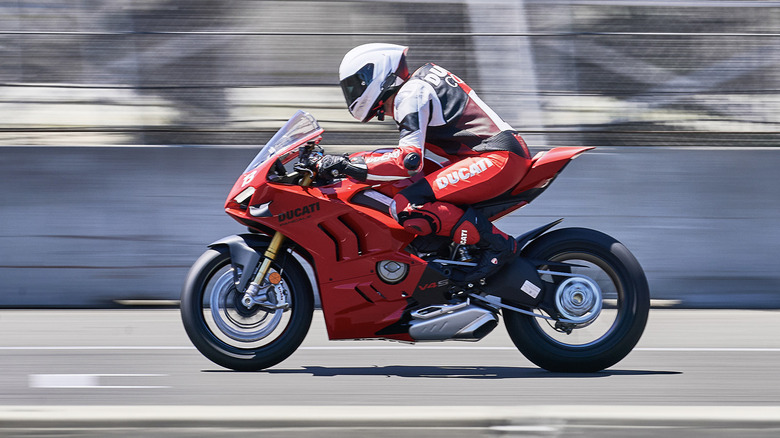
[412,161]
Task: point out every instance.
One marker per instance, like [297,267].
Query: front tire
[232,335]
[617,328]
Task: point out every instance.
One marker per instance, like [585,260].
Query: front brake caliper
[275,296]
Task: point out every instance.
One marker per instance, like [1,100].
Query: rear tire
[244,339]
[619,273]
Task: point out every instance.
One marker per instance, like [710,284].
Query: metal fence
[214,72]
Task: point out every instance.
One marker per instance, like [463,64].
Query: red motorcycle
[575,300]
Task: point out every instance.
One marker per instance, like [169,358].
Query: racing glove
[333,166]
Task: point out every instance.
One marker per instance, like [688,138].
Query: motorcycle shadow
[456,372]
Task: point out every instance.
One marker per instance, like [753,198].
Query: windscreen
[301,128]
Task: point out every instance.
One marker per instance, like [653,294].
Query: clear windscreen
[301,128]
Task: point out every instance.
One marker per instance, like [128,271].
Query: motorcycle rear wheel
[232,335]
[616,330]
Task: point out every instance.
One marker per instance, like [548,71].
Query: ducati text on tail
[574,300]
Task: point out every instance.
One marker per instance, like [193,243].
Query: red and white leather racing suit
[436,111]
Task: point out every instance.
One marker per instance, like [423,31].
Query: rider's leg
[425,217]
[427,207]
[466,228]
[496,247]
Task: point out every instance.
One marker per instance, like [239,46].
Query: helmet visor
[354,86]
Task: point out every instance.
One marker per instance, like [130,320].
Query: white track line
[391,347]
[526,418]
[86,381]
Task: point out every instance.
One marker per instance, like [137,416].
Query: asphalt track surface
[134,373]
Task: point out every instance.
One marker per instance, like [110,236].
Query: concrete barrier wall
[89,226]
[85,226]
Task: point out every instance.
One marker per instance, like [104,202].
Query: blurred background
[123,124]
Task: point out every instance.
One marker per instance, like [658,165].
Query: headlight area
[243,198]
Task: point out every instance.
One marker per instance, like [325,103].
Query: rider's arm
[412,112]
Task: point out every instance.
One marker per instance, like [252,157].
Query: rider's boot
[496,248]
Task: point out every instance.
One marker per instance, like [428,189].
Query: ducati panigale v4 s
[574,300]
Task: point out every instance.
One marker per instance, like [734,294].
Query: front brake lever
[302,168]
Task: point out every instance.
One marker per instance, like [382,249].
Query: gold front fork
[269,256]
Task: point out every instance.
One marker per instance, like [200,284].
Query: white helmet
[369,75]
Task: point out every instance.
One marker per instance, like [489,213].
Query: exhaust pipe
[461,321]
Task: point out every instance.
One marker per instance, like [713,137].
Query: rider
[436,111]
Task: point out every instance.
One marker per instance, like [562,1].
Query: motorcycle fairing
[546,166]
[345,242]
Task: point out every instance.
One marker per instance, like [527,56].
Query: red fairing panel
[346,242]
[546,165]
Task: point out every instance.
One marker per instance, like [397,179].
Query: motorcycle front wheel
[625,303]
[233,335]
